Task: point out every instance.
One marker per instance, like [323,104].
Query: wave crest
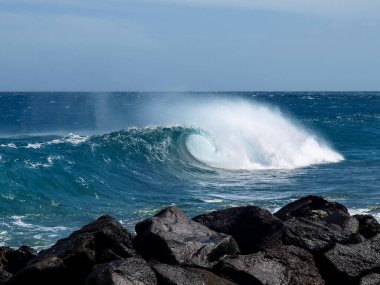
[242,135]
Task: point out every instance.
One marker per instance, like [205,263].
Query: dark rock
[73,257]
[171,237]
[346,263]
[254,229]
[4,276]
[370,279]
[50,270]
[315,224]
[368,225]
[285,265]
[174,275]
[4,252]
[17,259]
[131,271]
[11,261]
[109,235]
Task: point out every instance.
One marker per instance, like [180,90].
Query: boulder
[12,261]
[175,275]
[368,225]
[4,276]
[71,259]
[284,265]
[17,259]
[50,270]
[110,237]
[131,271]
[347,263]
[254,229]
[171,237]
[370,279]
[4,252]
[316,225]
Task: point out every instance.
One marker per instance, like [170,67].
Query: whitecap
[248,136]
[363,211]
[75,139]
[18,221]
[34,145]
[9,145]
[213,200]
[35,165]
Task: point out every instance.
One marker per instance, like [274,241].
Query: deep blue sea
[67,158]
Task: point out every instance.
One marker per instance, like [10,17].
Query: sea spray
[242,134]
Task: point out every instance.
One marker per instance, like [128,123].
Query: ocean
[67,158]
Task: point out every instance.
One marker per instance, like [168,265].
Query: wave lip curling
[248,136]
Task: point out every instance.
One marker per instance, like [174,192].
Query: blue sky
[189,45]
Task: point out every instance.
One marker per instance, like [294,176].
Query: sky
[189,45]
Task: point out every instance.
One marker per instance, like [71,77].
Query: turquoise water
[66,158]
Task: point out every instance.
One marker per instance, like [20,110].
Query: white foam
[75,139]
[213,200]
[56,141]
[9,145]
[363,211]
[245,135]
[34,145]
[36,165]
[70,138]
[18,221]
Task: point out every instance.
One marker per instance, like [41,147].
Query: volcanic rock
[109,236]
[315,224]
[254,229]
[17,259]
[4,276]
[347,263]
[370,279]
[131,271]
[174,275]
[11,261]
[368,225]
[50,270]
[4,252]
[71,259]
[285,265]
[171,237]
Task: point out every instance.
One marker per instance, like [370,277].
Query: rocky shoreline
[309,241]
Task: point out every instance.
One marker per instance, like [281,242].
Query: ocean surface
[67,158]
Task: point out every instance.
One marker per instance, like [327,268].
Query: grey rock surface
[316,225]
[254,229]
[171,237]
[131,271]
[285,265]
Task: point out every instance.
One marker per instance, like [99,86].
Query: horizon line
[186,91]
